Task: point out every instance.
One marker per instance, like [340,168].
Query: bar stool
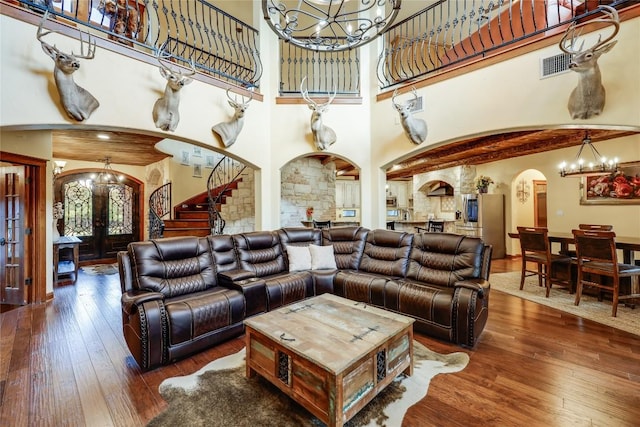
[321,224]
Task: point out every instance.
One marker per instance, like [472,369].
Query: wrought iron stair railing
[221,179]
[159,207]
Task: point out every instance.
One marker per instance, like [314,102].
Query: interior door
[540,203]
[105,217]
[12,232]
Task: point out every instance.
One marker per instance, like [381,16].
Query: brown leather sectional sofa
[181,295]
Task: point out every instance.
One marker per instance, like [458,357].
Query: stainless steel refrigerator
[483,216]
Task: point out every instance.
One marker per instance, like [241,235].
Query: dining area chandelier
[580,166]
[330,25]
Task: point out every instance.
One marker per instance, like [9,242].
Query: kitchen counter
[410,226]
[309,224]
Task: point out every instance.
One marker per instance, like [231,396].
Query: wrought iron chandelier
[599,165]
[106,177]
[330,25]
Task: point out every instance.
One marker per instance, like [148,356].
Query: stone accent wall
[307,182]
[239,211]
[467,178]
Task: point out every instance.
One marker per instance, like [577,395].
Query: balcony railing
[219,44]
[325,71]
[451,32]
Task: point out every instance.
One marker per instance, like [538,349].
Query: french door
[104,217]
[12,181]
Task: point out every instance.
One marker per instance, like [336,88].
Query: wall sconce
[58,165]
[522,191]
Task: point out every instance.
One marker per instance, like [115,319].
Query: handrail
[448,33]
[222,176]
[218,43]
[159,207]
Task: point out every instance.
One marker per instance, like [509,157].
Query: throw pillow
[322,257]
[299,258]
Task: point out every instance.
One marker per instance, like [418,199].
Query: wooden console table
[66,242]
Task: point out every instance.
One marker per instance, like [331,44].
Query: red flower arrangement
[310,213]
[617,185]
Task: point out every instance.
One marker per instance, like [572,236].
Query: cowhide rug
[219,394]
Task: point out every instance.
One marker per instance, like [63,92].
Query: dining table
[627,244]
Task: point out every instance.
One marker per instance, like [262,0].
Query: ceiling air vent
[553,65]
[417,106]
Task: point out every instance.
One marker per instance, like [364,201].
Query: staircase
[200,215]
[191,217]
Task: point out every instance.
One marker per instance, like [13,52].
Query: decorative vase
[56,233]
[483,190]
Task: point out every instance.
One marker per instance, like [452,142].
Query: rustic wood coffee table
[330,354]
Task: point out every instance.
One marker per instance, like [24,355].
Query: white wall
[505,96]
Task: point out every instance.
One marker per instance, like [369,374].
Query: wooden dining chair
[592,227]
[598,259]
[535,248]
[321,224]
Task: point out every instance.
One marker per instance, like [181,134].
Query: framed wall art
[197,170]
[184,158]
[621,187]
[210,162]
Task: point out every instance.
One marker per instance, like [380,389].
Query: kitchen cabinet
[402,191]
[347,194]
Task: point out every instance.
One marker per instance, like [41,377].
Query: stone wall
[239,211]
[306,182]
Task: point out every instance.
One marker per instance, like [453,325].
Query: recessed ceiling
[122,147]
[486,149]
[136,149]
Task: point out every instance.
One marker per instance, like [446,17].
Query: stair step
[187,223]
[199,232]
[192,214]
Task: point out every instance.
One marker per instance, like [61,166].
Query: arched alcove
[323,185]
[528,202]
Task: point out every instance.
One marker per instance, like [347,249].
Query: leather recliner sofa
[181,295]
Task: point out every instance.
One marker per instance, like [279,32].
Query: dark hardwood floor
[65,363]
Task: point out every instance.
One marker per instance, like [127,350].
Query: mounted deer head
[229,131]
[165,111]
[414,128]
[323,136]
[77,101]
[588,98]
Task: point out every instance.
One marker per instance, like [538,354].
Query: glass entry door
[105,217]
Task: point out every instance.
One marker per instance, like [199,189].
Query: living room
[275,134]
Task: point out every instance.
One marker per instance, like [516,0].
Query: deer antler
[611,18]
[162,55]
[235,98]
[305,95]
[40,33]
[92,46]
[395,94]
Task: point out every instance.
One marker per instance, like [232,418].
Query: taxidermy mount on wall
[77,101]
[229,131]
[414,128]
[323,136]
[588,98]
[166,113]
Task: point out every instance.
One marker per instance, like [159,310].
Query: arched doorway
[105,217]
[528,202]
[321,187]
